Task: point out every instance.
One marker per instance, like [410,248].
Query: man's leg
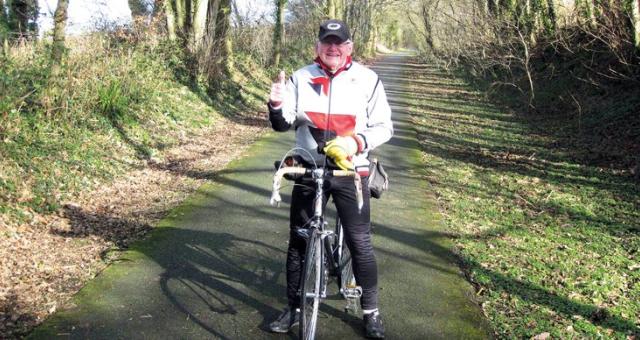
[301,212]
[301,209]
[357,227]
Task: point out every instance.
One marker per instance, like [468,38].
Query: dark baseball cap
[334,27]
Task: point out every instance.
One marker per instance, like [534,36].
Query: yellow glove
[340,150]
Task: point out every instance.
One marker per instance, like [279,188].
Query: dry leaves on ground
[45,261]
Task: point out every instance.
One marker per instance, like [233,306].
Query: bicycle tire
[310,287]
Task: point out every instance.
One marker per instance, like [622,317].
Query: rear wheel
[310,287]
[347,280]
[348,287]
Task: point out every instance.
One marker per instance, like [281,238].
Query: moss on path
[215,267]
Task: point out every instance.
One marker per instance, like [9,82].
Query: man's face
[334,52]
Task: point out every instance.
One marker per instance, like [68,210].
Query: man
[338,108]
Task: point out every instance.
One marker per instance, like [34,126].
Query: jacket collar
[327,70]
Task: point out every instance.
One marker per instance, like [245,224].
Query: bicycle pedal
[304,233]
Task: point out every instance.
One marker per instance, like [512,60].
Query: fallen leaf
[542,336]
[634,266]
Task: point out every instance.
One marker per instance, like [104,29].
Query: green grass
[551,242]
[112,108]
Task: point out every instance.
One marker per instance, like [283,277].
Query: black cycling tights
[357,229]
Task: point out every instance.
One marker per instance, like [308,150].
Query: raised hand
[277,91]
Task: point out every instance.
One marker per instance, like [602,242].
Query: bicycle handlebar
[277,180]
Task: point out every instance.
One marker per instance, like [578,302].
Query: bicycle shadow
[207,276]
[210,277]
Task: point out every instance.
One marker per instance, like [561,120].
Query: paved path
[215,267]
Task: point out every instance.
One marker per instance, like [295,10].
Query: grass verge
[551,242]
[92,157]
[111,108]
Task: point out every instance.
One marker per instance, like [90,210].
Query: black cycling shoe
[285,321]
[373,326]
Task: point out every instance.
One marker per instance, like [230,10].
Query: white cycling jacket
[321,105]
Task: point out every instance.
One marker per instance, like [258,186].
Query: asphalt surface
[214,268]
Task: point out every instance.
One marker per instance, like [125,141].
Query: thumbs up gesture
[277,91]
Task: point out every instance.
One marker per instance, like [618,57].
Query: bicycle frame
[318,223]
[320,250]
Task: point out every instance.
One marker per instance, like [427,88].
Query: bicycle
[326,254]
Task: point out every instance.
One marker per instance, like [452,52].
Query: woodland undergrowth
[119,105]
[536,168]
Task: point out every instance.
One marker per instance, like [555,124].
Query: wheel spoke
[348,283]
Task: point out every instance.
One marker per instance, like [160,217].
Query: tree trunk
[426,21]
[181,16]
[373,39]
[23,15]
[18,17]
[278,32]
[212,16]
[223,38]
[183,11]
[635,19]
[59,24]
[368,28]
[508,8]
[170,13]
[331,9]
[483,6]
[532,21]
[551,17]
[3,14]
[237,15]
[199,24]
[4,23]
[138,8]
[587,11]
[339,9]
[493,7]
[4,29]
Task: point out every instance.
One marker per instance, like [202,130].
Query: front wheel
[310,287]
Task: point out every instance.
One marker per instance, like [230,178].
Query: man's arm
[282,104]
[379,126]
[276,117]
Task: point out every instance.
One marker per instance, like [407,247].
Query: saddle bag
[378,178]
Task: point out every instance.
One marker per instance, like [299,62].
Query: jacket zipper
[326,131]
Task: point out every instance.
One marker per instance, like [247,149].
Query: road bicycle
[326,255]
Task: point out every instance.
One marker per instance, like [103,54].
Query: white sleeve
[379,126]
[290,101]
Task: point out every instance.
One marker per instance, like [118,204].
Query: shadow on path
[485,147]
[214,267]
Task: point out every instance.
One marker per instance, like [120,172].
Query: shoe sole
[282,331]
